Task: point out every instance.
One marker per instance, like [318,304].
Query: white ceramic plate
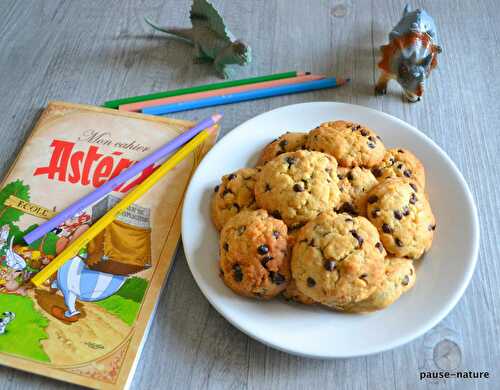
[442,275]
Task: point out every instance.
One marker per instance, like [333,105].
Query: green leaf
[16,188]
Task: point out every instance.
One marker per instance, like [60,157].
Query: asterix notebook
[87,324]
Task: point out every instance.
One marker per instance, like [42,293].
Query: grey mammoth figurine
[410,55]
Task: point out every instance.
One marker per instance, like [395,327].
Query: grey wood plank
[89,52]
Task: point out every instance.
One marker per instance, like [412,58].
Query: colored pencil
[218,92]
[225,84]
[113,183]
[245,96]
[72,249]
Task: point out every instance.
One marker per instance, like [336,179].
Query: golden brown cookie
[235,193]
[338,259]
[292,293]
[354,185]
[399,277]
[400,162]
[401,212]
[350,143]
[254,260]
[297,186]
[288,142]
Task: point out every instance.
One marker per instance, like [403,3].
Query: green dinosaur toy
[211,39]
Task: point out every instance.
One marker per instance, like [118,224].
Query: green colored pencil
[200,88]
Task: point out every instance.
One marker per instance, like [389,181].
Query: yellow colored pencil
[72,250]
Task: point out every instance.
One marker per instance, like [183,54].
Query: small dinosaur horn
[239,47]
[427,60]
[406,9]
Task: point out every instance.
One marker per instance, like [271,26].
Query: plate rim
[429,324]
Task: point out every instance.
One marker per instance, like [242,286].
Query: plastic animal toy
[410,55]
[7,317]
[211,39]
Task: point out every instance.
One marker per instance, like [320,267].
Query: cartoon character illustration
[6,319]
[13,260]
[71,229]
[76,281]
[411,54]
[4,236]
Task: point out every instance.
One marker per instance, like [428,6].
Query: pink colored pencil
[219,92]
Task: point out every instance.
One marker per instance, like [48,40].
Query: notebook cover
[85,326]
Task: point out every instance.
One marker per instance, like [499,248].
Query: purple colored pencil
[113,183]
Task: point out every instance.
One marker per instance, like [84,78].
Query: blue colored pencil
[331,82]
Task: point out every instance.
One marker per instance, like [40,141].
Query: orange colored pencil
[219,92]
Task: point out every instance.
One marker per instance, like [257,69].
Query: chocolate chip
[397,214]
[406,280]
[265,260]
[398,242]
[262,249]
[340,177]
[379,246]
[283,143]
[290,161]
[267,187]
[216,188]
[431,227]
[401,151]
[357,237]
[375,213]
[363,276]
[349,220]
[237,273]
[407,173]
[232,176]
[236,206]
[364,133]
[413,198]
[276,214]
[386,228]
[329,265]
[377,172]
[350,176]
[347,208]
[371,145]
[392,160]
[226,191]
[406,211]
[399,166]
[372,199]
[226,246]
[241,230]
[276,234]
[372,138]
[298,188]
[311,282]
[380,138]
[414,187]
[277,278]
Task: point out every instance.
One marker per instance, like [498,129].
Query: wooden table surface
[89,51]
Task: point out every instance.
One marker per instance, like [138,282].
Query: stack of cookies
[329,217]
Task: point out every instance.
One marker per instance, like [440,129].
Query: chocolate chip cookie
[354,185]
[338,259]
[235,193]
[399,277]
[400,210]
[254,260]
[292,293]
[350,143]
[297,186]
[399,162]
[288,142]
